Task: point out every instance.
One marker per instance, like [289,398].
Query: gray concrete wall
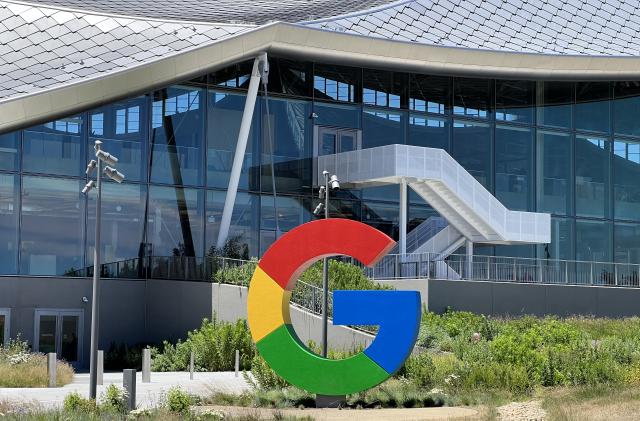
[420,285]
[513,299]
[230,304]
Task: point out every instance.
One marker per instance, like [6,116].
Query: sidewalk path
[148,394]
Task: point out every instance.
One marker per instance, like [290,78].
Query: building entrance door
[60,331]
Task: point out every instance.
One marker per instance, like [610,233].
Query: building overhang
[313,44]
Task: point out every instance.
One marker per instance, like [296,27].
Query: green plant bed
[21,368]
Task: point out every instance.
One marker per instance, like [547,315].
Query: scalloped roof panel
[43,48]
[586,27]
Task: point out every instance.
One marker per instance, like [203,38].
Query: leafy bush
[179,401]
[235,274]
[21,368]
[263,377]
[420,370]
[74,402]
[214,345]
[113,399]
[342,276]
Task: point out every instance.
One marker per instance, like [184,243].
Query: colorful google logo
[397,313]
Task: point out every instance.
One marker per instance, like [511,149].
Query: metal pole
[95,303]
[325,277]
[403,218]
[52,368]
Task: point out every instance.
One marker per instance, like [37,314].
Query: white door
[59,331]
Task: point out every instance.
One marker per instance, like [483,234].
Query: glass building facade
[568,148]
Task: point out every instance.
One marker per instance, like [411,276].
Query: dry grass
[32,373]
[599,403]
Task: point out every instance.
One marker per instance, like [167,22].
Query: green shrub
[74,402]
[234,273]
[214,346]
[113,399]
[179,401]
[420,370]
[263,377]
[342,276]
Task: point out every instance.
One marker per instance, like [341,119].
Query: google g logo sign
[397,313]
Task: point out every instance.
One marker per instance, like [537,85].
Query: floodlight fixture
[107,158]
[114,174]
[90,185]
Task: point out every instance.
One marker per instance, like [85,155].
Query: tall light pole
[330,183]
[109,161]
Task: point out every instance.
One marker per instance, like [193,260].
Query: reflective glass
[515,100]
[8,225]
[472,149]
[432,132]
[593,181]
[514,167]
[292,211]
[47,334]
[626,108]
[123,208]
[289,77]
[562,241]
[627,243]
[382,128]
[418,214]
[174,225]
[245,223]
[177,122]
[383,89]
[266,239]
[381,216]
[3,325]
[69,339]
[429,93]
[52,229]
[593,106]
[122,127]
[626,173]
[336,83]
[10,151]
[337,115]
[593,240]
[472,97]
[236,76]
[555,178]
[554,101]
[225,114]
[56,147]
[288,129]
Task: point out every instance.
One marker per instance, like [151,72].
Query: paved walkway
[404,414]
[148,394]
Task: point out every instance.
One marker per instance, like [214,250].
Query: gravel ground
[522,411]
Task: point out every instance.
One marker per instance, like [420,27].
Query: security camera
[114,174]
[334,183]
[90,185]
[319,209]
[106,157]
[91,167]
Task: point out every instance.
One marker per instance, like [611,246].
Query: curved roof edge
[309,43]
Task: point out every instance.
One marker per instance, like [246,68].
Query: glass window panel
[69,340]
[515,100]
[52,228]
[177,136]
[3,322]
[289,77]
[266,239]
[429,93]
[56,147]
[472,149]
[627,243]
[382,216]
[328,141]
[384,89]
[336,83]
[123,207]
[472,97]
[225,115]
[554,103]
[555,178]
[175,221]
[337,115]
[291,135]
[292,211]
[431,132]
[593,158]
[626,173]
[524,251]
[245,223]
[592,106]
[8,225]
[382,128]
[514,167]
[626,108]
[236,76]
[562,241]
[121,127]
[10,151]
[593,240]
[47,334]
[418,214]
